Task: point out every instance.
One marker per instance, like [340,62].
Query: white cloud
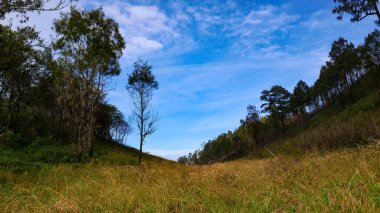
[146,29]
[142,45]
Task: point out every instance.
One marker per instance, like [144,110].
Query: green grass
[19,155]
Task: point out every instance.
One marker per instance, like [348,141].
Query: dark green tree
[300,98]
[183,160]
[252,126]
[370,51]
[110,124]
[370,60]
[21,68]
[276,102]
[358,9]
[141,83]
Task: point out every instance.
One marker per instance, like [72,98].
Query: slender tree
[141,84]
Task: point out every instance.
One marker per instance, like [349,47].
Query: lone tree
[141,84]
[358,9]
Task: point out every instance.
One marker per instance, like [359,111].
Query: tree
[300,98]
[183,160]
[89,45]
[141,84]
[24,6]
[111,124]
[358,9]
[277,102]
[370,60]
[370,51]
[20,70]
[252,125]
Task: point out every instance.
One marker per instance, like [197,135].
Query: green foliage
[24,6]
[358,9]
[90,31]
[276,102]
[142,77]
[301,98]
[18,155]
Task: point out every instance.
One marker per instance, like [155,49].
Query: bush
[9,139]
[48,151]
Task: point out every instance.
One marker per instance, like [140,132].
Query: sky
[213,58]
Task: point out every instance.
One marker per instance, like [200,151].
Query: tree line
[350,74]
[57,89]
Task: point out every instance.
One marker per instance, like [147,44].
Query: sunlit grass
[346,180]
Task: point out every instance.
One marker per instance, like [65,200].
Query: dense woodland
[350,74]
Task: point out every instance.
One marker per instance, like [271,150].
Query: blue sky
[213,58]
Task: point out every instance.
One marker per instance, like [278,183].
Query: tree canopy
[358,9]
[24,6]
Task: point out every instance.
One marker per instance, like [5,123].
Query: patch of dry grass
[346,180]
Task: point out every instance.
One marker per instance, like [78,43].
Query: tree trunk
[141,142]
[91,151]
[141,123]
[79,157]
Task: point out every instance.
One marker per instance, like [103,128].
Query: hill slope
[17,155]
[333,128]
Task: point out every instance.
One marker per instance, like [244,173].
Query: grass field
[347,180]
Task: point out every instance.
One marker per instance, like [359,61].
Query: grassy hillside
[17,155]
[332,128]
[347,180]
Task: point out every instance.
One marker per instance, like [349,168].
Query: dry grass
[346,181]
